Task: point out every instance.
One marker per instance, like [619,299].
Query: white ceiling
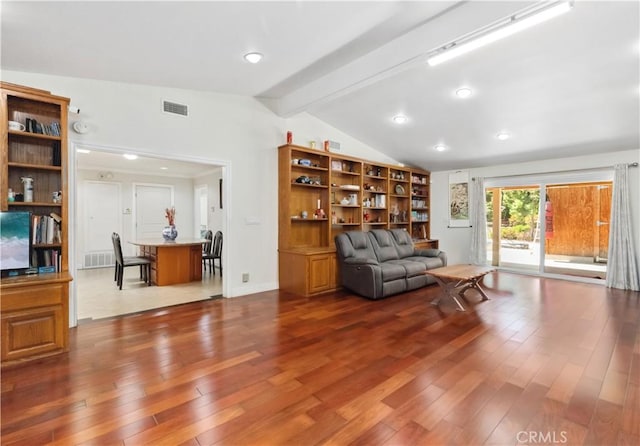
[567,87]
[105,163]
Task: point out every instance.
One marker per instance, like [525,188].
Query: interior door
[101,215]
[151,201]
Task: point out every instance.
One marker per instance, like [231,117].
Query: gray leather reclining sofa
[381,262]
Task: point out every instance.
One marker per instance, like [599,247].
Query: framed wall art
[459,199]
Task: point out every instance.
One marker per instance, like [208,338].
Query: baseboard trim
[252,289]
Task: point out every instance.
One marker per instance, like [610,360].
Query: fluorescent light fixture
[130,156]
[253,57]
[503,136]
[440,148]
[164,168]
[83,151]
[518,22]
[400,119]
[463,92]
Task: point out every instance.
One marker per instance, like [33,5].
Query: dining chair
[122,262]
[206,250]
[216,252]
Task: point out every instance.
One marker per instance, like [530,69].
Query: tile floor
[99,296]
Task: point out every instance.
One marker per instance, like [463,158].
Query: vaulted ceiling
[569,86]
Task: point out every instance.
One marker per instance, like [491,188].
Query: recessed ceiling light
[503,136]
[83,151]
[440,148]
[164,168]
[253,57]
[463,92]
[400,119]
[130,156]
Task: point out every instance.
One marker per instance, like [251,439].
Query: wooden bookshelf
[35,307]
[353,194]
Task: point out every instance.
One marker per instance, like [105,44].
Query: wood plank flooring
[543,362]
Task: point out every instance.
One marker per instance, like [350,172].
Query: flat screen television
[15,242]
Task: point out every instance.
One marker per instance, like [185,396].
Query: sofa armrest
[427,252]
[363,278]
[356,261]
[432,253]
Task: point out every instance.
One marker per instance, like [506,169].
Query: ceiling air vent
[175,108]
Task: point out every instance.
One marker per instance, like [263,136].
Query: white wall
[306,128]
[214,213]
[183,198]
[230,130]
[456,241]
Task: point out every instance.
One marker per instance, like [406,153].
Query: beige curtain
[478,220]
[622,268]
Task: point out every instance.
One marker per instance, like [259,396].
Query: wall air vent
[175,108]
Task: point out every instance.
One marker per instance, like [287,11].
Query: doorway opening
[106,169]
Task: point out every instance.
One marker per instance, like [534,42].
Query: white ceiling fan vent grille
[175,108]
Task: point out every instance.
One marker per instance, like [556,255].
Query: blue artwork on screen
[15,231]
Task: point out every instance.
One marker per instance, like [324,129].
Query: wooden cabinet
[308,271]
[427,244]
[35,308]
[322,194]
[35,317]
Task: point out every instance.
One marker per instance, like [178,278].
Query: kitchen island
[172,262]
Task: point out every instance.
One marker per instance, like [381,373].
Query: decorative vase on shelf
[170,232]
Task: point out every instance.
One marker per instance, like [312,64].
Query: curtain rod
[558,171]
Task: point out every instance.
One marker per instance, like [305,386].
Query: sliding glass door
[514,240]
[577,234]
[548,226]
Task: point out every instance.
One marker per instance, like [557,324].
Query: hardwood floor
[543,362]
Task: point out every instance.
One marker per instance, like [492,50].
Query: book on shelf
[46,260]
[45,230]
[33,126]
[56,155]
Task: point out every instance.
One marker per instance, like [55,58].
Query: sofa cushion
[427,262]
[391,271]
[383,245]
[411,268]
[358,240]
[403,242]
[354,244]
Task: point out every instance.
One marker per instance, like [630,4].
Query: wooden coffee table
[450,278]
